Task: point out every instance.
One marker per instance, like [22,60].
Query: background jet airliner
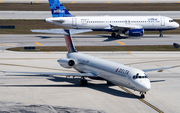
[97,68]
[128,25]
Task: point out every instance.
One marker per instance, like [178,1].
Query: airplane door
[74,21]
[162,22]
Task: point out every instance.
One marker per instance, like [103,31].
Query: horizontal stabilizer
[62,31]
[54,73]
[54,31]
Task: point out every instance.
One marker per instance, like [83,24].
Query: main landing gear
[114,35]
[109,83]
[142,94]
[161,35]
[83,82]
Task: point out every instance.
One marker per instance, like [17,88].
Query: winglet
[69,42]
[58,10]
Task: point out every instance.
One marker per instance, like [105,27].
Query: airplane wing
[157,69]
[55,73]
[124,27]
[55,31]
[62,31]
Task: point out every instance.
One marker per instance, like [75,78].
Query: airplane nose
[177,25]
[147,86]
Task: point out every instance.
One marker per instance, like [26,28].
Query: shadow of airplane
[45,37]
[75,83]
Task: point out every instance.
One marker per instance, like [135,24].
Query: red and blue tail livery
[69,44]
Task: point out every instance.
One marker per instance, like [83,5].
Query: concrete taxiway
[47,14]
[36,93]
[8,41]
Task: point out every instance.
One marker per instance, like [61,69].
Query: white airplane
[128,25]
[97,68]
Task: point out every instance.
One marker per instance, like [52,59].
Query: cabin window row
[118,21]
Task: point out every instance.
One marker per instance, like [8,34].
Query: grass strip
[93,7]
[101,48]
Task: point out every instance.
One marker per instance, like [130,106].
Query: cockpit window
[171,20]
[139,76]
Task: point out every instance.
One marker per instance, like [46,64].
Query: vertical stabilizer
[58,10]
[69,44]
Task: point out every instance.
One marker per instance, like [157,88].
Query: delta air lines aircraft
[128,25]
[97,68]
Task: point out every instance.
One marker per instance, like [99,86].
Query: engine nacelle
[66,63]
[135,32]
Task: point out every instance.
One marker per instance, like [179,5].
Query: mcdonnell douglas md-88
[97,68]
[128,25]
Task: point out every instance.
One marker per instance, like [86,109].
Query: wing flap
[124,27]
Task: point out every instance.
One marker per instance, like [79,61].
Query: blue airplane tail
[58,10]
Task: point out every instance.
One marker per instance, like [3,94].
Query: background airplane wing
[157,69]
[62,31]
[55,73]
[124,27]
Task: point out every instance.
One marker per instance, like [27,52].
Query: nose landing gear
[161,35]
[142,94]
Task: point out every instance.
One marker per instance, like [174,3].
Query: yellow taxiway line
[145,102]
[121,43]
[6,45]
[38,43]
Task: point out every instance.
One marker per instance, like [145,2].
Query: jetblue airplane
[128,25]
[97,68]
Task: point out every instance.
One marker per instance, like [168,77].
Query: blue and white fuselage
[107,22]
[128,25]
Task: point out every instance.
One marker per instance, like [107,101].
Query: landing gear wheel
[142,96]
[113,34]
[161,35]
[109,83]
[83,82]
[118,36]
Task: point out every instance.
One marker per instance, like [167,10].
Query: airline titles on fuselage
[123,71]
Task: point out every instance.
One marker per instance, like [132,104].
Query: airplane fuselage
[115,73]
[99,23]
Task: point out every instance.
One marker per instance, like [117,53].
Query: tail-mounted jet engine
[66,63]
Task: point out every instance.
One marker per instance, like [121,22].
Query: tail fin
[58,10]
[69,44]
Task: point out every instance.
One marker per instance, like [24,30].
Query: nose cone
[146,86]
[176,25]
